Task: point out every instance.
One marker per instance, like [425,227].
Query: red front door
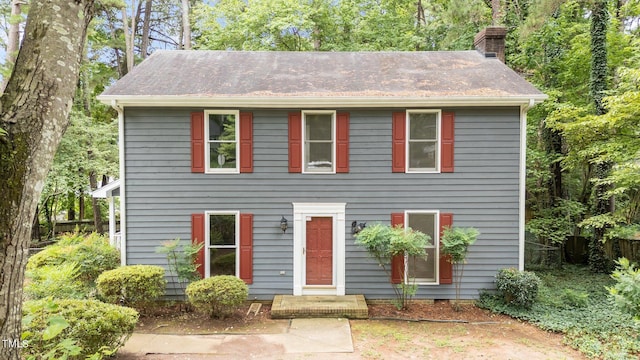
[319,253]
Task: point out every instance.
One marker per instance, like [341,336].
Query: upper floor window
[319,141]
[422,140]
[222,136]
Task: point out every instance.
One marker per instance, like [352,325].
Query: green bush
[57,281]
[91,253]
[626,291]
[217,296]
[519,288]
[81,328]
[135,285]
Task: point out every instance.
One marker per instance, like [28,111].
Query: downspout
[523,181]
[123,207]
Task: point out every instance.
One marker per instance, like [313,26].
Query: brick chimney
[490,42]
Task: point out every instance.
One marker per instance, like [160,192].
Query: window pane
[425,223]
[222,230]
[318,127]
[422,155]
[422,269]
[319,156]
[423,126]
[223,262]
[222,127]
[222,155]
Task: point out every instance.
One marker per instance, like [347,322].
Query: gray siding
[161,193]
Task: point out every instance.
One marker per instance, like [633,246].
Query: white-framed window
[427,222]
[423,140]
[222,233]
[319,136]
[222,153]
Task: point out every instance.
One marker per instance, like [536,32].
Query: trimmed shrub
[57,281]
[217,296]
[519,288]
[52,327]
[135,285]
[91,253]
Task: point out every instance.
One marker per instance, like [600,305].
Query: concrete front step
[319,306]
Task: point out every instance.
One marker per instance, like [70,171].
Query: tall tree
[186,26]
[13,38]
[598,86]
[34,112]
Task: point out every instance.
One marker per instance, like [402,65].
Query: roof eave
[319,101]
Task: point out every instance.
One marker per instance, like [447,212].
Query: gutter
[333,102]
[523,181]
[123,200]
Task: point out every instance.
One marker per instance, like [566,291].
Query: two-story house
[269,157]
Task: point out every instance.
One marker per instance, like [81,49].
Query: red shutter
[246,248]
[446,142]
[397,262]
[295,142]
[398,145]
[446,268]
[197,237]
[342,143]
[246,142]
[197,142]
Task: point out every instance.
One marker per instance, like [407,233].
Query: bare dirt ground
[425,331]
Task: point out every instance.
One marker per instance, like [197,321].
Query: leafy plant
[76,329]
[217,296]
[626,291]
[518,288]
[383,242]
[455,243]
[57,281]
[182,262]
[136,285]
[92,255]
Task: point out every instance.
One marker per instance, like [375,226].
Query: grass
[575,302]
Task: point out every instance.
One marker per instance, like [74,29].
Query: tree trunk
[13,38]
[598,261]
[81,212]
[71,206]
[97,214]
[186,26]
[34,112]
[146,24]
[495,13]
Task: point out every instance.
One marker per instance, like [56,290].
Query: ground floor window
[424,271]
[222,243]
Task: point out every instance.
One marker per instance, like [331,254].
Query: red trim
[446,268]
[197,237]
[197,142]
[397,262]
[398,145]
[342,142]
[295,142]
[446,142]
[246,248]
[246,142]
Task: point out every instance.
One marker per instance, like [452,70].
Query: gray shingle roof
[274,76]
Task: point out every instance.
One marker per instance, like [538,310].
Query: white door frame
[300,213]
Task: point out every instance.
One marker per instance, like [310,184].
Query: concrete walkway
[302,336]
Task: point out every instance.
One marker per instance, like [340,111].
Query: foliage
[518,288]
[182,262]
[383,242]
[76,328]
[217,296]
[91,253]
[594,327]
[56,281]
[626,291]
[455,243]
[135,285]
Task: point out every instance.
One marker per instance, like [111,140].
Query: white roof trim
[106,190]
[319,101]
